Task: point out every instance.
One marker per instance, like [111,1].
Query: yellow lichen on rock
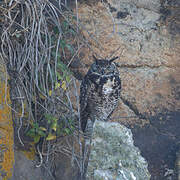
[6,129]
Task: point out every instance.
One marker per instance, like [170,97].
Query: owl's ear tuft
[114,58]
[95,59]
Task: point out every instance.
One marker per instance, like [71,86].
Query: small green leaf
[43,128]
[64,85]
[36,138]
[41,133]
[36,125]
[31,132]
[68,78]
[57,85]
[72,128]
[59,77]
[54,126]
[50,92]
[50,137]
[67,131]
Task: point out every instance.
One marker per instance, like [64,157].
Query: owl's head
[103,66]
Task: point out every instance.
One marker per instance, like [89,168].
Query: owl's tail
[84,119]
[86,144]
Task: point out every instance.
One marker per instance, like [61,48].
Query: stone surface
[113,154]
[6,126]
[25,168]
[145,35]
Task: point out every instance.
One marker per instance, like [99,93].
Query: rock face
[25,168]
[6,126]
[145,35]
[113,154]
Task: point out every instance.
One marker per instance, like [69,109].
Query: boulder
[113,154]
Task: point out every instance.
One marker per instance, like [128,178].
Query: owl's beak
[114,58]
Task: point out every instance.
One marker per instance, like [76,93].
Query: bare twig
[40,156]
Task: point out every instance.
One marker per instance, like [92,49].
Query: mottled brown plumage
[99,92]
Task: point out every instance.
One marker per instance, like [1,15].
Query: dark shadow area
[170,15]
[159,142]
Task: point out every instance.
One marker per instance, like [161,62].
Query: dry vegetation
[38,43]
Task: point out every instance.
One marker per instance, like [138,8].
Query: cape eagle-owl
[99,91]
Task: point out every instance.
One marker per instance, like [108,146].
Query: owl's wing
[89,79]
[85,94]
[84,88]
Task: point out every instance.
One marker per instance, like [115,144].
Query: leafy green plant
[36,132]
[58,77]
[58,128]
[66,128]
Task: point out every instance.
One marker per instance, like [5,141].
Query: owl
[99,91]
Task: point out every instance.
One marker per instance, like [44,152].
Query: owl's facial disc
[103,67]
